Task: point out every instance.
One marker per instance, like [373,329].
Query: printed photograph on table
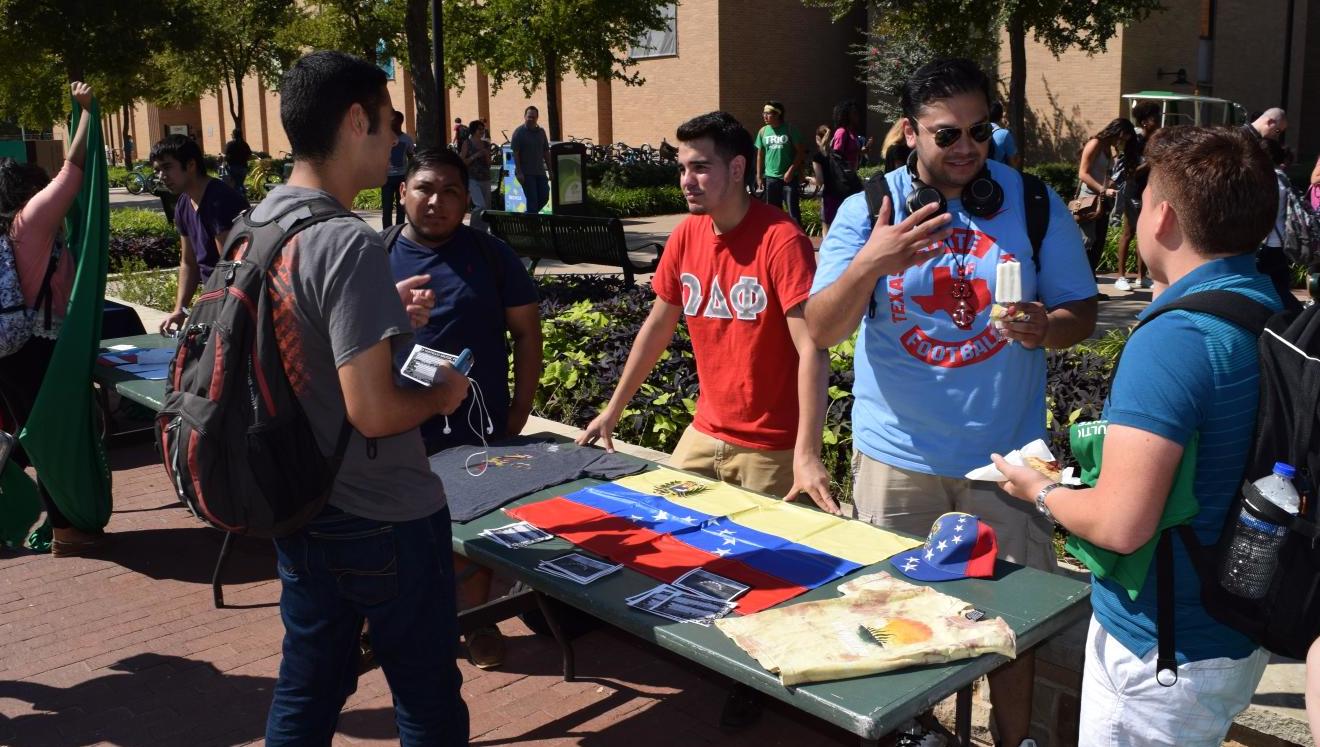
[707,584]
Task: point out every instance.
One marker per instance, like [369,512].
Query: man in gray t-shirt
[379,552]
[531,160]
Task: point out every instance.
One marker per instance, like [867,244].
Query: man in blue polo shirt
[483,295]
[1208,202]
[938,385]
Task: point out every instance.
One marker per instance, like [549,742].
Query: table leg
[565,645]
[216,591]
[962,719]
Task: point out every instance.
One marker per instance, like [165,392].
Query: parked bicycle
[142,179]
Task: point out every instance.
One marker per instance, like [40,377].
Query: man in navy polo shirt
[205,211]
[483,295]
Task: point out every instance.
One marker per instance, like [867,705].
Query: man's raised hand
[891,249]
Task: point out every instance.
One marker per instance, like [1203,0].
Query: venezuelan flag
[670,523]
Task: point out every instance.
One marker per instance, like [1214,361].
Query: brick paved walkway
[127,650]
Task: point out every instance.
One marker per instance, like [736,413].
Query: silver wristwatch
[1040,501]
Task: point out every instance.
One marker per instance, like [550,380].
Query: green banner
[60,436]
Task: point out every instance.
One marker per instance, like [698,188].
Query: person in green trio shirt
[780,152]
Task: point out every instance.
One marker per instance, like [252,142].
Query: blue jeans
[537,189]
[340,570]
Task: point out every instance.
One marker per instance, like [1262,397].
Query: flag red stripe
[659,556]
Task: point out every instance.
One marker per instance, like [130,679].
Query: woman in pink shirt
[32,210]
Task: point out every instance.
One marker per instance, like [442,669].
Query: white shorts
[1123,705]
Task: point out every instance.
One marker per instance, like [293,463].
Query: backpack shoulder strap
[391,236]
[1036,204]
[1236,308]
[876,189]
[282,227]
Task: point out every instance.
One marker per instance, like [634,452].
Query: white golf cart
[1184,108]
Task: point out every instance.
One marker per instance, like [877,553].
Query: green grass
[140,223]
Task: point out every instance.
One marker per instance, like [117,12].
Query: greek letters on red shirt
[735,289]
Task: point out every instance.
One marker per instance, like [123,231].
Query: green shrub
[140,223]
[116,175]
[1060,175]
[637,202]
[367,199]
[137,284]
[866,172]
[617,175]
[811,223]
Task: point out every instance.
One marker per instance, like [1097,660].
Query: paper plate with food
[1036,455]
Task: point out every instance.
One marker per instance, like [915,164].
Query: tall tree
[46,43]
[1060,25]
[371,29]
[238,38]
[417,31]
[537,42]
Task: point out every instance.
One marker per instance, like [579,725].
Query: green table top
[1036,605]
[150,394]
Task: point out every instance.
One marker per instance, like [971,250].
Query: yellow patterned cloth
[843,538]
[879,624]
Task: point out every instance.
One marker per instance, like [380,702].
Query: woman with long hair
[32,209]
[475,152]
[895,149]
[1094,178]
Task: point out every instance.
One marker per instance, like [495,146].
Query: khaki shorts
[911,501]
[769,472]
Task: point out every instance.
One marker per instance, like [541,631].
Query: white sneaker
[1146,283]
[1122,284]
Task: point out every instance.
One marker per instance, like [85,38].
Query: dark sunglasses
[946,136]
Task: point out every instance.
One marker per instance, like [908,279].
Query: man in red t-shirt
[740,271]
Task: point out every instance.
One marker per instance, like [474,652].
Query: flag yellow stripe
[843,538]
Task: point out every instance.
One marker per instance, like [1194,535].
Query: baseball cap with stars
[959,546]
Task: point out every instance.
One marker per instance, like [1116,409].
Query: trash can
[568,178]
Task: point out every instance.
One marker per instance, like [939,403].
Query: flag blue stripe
[719,535]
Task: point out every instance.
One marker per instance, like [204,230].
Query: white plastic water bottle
[1253,553]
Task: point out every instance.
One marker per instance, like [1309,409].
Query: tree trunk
[1017,80]
[233,112]
[423,78]
[552,114]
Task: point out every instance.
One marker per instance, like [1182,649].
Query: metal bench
[571,239]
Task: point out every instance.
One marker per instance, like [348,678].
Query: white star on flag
[957,539]
[635,517]
[930,555]
[685,519]
[942,546]
[722,551]
[910,564]
[730,541]
[661,515]
[725,532]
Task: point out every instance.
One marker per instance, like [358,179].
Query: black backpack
[235,440]
[1035,203]
[841,179]
[1287,619]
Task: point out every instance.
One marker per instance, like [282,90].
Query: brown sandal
[69,542]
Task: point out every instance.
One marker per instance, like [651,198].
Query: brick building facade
[1231,49]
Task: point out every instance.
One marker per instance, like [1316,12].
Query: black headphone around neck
[983,197]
